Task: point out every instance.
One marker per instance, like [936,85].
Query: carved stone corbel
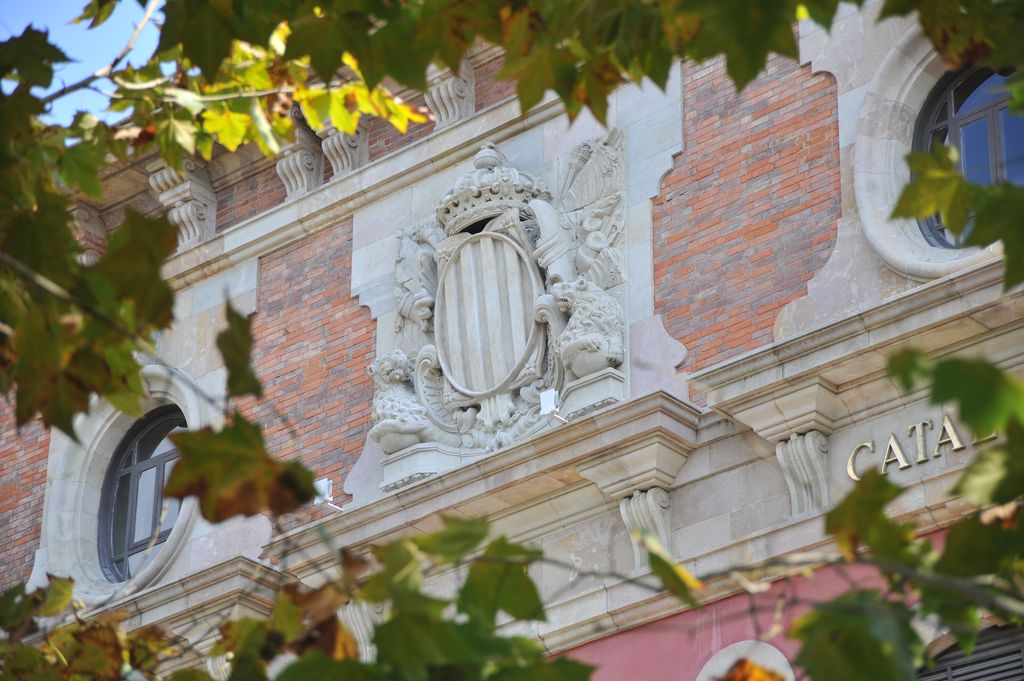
[301,164]
[361,618]
[804,462]
[645,512]
[346,152]
[90,232]
[638,475]
[450,97]
[190,200]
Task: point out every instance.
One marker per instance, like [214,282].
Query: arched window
[968,110]
[134,517]
[997,656]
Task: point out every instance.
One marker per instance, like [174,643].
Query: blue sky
[90,49]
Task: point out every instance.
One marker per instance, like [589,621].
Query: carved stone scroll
[450,97]
[90,232]
[645,512]
[190,200]
[301,165]
[804,462]
[346,152]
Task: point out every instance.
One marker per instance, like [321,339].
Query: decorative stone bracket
[450,96]
[90,232]
[797,418]
[346,152]
[301,164]
[190,200]
[638,475]
[360,618]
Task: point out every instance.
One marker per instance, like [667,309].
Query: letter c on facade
[851,463]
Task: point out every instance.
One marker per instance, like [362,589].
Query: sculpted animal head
[390,368]
[567,292]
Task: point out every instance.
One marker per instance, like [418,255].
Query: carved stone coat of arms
[505,294]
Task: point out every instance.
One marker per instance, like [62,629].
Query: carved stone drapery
[361,618]
[190,200]
[449,97]
[90,232]
[301,164]
[346,152]
[804,462]
[645,512]
[502,296]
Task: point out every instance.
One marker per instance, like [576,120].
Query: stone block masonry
[748,213]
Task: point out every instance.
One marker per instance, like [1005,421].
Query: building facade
[677,322]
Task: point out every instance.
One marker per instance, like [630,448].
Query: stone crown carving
[488,191]
[504,294]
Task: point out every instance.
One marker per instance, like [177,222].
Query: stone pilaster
[301,164]
[190,201]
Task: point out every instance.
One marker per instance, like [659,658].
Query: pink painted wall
[677,647]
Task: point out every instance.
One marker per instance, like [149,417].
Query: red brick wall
[489,90]
[748,213]
[255,194]
[23,457]
[313,346]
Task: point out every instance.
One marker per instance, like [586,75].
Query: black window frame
[121,463]
[926,126]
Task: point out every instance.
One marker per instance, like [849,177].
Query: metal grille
[998,656]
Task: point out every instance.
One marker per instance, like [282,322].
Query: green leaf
[997,217]
[986,397]
[315,665]
[820,12]
[996,476]
[235,345]
[229,127]
[498,581]
[859,636]
[860,519]
[231,473]
[79,167]
[908,366]
[29,58]
[204,30]
[96,12]
[673,576]
[936,187]
[458,538]
[57,596]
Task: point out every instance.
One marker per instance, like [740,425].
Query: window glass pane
[155,441]
[974,151]
[940,136]
[170,506]
[119,528]
[144,505]
[139,560]
[980,88]
[1013,147]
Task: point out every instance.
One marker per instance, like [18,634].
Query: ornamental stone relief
[502,296]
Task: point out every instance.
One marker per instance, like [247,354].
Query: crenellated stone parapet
[301,164]
[190,200]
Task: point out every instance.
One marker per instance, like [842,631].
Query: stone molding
[804,462]
[189,199]
[70,524]
[301,164]
[346,152]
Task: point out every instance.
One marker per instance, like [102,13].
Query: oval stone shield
[484,323]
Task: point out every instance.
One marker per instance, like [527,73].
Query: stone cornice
[522,475]
[793,386]
[338,199]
